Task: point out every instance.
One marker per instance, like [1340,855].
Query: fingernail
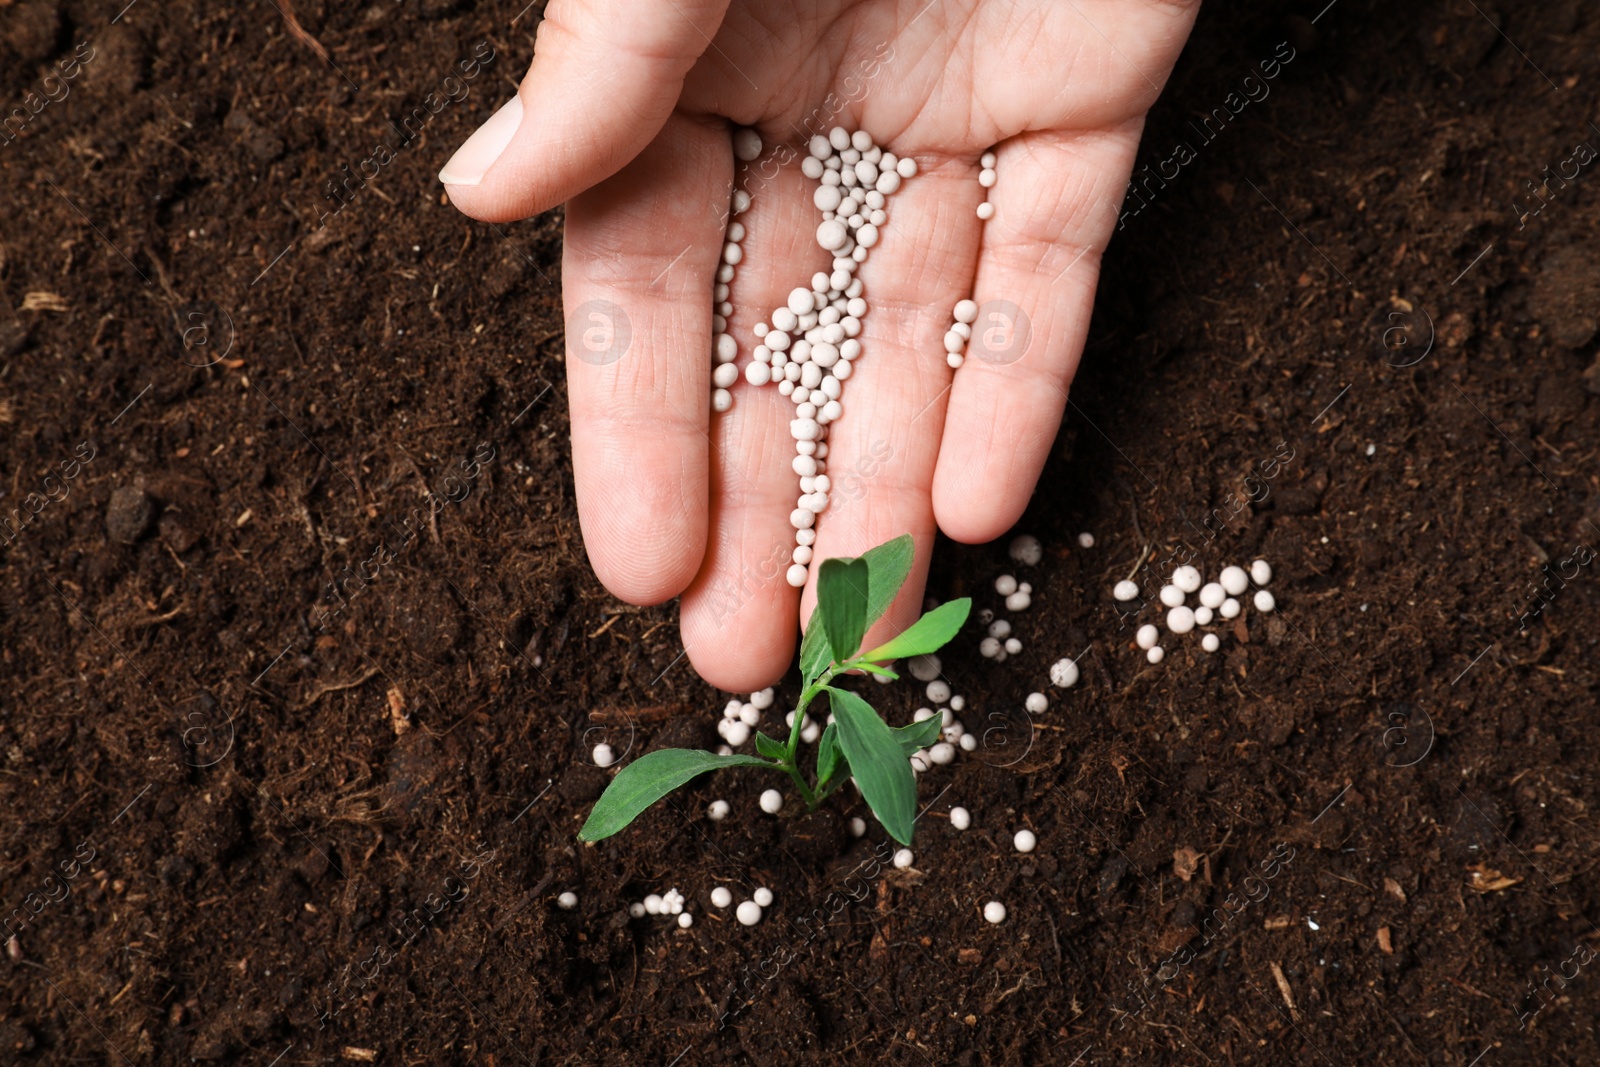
[474,158]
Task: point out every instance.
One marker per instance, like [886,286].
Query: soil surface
[245,820]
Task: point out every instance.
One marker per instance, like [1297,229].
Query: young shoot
[858,745]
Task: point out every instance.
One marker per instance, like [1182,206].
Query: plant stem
[790,762]
[829,791]
[806,696]
[800,784]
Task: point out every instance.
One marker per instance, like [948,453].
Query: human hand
[627,117]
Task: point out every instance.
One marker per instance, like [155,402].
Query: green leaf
[828,754]
[770,748]
[815,655]
[842,599]
[888,566]
[928,634]
[873,668]
[918,734]
[877,763]
[648,779]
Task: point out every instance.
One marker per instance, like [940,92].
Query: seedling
[852,594]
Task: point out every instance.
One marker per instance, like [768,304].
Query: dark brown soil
[244,823]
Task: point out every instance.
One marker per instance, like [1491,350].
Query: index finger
[639,255]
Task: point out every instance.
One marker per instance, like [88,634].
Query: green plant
[852,594]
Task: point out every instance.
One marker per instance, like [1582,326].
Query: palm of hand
[674,500]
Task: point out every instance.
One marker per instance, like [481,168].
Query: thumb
[605,76]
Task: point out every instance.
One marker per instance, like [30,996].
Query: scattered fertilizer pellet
[1210,643]
[653,904]
[969,742]
[1180,620]
[1000,629]
[938,691]
[958,703]
[717,811]
[1234,580]
[924,668]
[762,896]
[1005,585]
[1064,674]
[762,700]
[1265,601]
[603,756]
[567,901]
[1260,572]
[746,145]
[1229,609]
[771,801]
[858,826]
[903,858]
[1036,702]
[685,920]
[748,913]
[1126,590]
[1171,596]
[1186,578]
[1202,616]
[1156,654]
[1024,841]
[721,897]
[1147,636]
[1013,646]
[1212,595]
[1019,601]
[942,753]
[960,818]
[636,909]
[1025,548]
[995,912]
[1086,540]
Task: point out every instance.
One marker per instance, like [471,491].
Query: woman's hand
[626,114]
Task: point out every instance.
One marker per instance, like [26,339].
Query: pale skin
[628,120]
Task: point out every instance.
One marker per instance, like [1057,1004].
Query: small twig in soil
[433,516]
[323,689]
[286,9]
[1458,983]
[100,329]
[1283,988]
[168,617]
[1138,563]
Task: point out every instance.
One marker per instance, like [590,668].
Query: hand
[626,114]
